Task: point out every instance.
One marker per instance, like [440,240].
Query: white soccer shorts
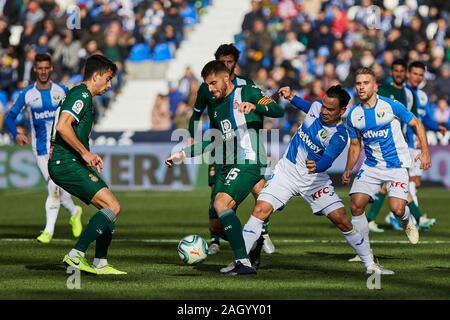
[369,181]
[287,182]
[414,170]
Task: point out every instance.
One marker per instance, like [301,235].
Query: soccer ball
[192,249]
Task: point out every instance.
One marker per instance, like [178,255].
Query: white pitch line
[276,240]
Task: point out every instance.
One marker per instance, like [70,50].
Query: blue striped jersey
[379,127]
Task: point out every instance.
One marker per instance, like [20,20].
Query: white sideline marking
[276,241]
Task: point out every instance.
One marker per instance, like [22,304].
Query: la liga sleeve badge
[77,106]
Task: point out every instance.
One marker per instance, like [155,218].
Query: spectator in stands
[8,74]
[67,53]
[182,115]
[161,116]
[442,82]
[258,43]
[185,83]
[287,9]
[256,13]
[4,33]
[25,73]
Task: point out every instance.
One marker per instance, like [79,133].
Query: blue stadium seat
[162,52]
[190,16]
[139,52]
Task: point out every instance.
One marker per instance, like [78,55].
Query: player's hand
[22,139]
[425,160]
[442,129]
[286,93]
[246,107]
[175,158]
[346,176]
[311,165]
[93,160]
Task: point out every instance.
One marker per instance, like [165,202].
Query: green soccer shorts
[237,181]
[78,179]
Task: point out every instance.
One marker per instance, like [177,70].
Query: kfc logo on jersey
[316,195]
[77,106]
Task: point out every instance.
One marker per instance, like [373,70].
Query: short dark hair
[42,57]
[417,64]
[226,50]
[100,64]
[399,62]
[214,66]
[339,93]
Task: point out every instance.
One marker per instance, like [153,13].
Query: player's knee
[398,210]
[115,207]
[53,190]
[261,211]
[221,203]
[357,209]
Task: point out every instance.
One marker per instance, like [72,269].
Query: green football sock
[233,230]
[376,206]
[97,226]
[103,242]
[265,227]
[415,210]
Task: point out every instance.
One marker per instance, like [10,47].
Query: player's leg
[414,182]
[355,239]
[375,210]
[75,212]
[52,202]
[398,197]
[214,245]
[232,187]
[268,245]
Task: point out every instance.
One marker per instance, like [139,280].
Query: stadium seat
[162,52]
[139,52]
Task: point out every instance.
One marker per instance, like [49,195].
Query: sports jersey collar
[374,106]
[49,88]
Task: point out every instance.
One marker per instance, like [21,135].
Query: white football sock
[405,218]
[251,232]
[361,224]
[413,192]
[100,263]
[52,205]
[75,253]
[360,245]
[67,202]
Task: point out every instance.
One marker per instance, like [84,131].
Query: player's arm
[296,101]
[408,117]
[424,156]
[260,103]
[65,130]
[352,158]
[429,123]
[10,120]
[188,152]
[198,108]
[337,144]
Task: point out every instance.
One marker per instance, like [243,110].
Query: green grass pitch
[310,260]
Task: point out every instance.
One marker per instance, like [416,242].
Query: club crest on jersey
[85,95]
[93,177]
[380,114]
[235,105]
[77,106]
[323,134]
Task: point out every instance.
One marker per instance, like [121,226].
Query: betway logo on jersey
[305,138]
[376,134]
[44,115]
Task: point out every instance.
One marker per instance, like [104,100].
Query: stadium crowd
[311,45]
[120,29]
[306,44]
